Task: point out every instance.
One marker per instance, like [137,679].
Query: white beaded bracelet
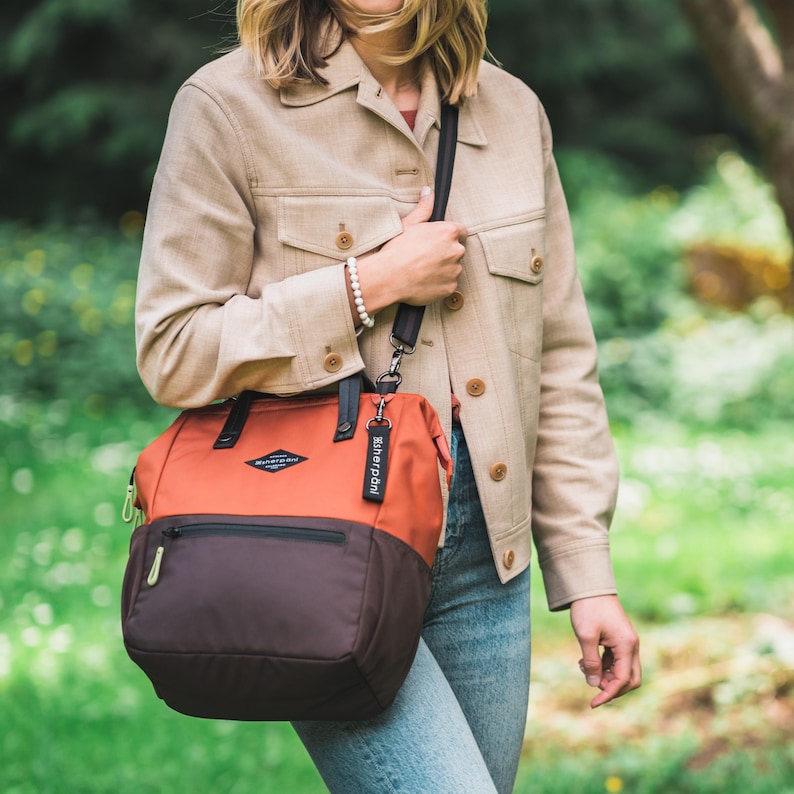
[352,272]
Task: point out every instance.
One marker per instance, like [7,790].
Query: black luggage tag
[377,460]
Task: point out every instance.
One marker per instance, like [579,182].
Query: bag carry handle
[350,389]
[349,392]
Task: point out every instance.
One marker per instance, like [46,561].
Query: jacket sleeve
[204,331]
[575,474]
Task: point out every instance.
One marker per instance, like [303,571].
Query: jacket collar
[346,70]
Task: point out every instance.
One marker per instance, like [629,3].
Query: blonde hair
[290,40]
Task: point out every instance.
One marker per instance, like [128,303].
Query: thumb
[592,670]
[423,210]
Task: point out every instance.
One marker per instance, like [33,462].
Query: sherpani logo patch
[276,461]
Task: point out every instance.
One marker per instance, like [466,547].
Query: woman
[314,143]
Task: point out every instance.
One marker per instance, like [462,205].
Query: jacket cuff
[581,570]
[321,324]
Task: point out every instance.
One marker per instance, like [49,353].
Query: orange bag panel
[286,463]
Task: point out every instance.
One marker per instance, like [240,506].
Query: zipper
[256,530]
[331,536]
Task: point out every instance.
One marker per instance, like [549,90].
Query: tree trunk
[758,75]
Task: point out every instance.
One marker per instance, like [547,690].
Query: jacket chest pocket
[315,231]
[515,254]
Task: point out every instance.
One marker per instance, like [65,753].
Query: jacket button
[509,559]
[475,387]
[332,362]
[344,240]
[536,264]
[455,301]
[498,471]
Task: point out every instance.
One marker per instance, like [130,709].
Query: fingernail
[593,680]
[426,191]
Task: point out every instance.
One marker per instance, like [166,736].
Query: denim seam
[373,760]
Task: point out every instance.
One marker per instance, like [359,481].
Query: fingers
[615,681]
[424,209]
[422,264]
[617,672]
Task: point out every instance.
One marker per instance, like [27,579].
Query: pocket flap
[516,250]
[337,226]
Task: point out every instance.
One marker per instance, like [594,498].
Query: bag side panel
[395,599]
[153,458]
[133,573]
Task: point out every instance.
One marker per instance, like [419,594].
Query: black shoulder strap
[409,318]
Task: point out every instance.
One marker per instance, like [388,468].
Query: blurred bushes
[66,302]
[661,350]
[85,87]
[622,78]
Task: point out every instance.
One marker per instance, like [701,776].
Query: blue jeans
[457,724]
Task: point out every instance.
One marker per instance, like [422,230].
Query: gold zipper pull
[154,574]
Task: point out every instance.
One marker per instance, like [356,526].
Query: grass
[77,715]
[700,552]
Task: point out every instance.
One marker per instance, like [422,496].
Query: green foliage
[708,369]
[661,352]
[735,205]
[736,371]
[688,502]
[66,325]
[630,269]
[660,767]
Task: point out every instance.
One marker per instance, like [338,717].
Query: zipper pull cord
[128,512]
[154,573]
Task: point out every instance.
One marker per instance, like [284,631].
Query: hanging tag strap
[378,431]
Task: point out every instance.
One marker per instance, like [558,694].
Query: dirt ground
[725,681]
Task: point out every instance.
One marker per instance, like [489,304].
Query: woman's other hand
[600,622]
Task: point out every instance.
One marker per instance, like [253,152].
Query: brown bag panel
[215,640]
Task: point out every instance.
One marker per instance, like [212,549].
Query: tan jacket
[259,198]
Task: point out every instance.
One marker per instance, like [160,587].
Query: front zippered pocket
[265,531]
[256,530]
